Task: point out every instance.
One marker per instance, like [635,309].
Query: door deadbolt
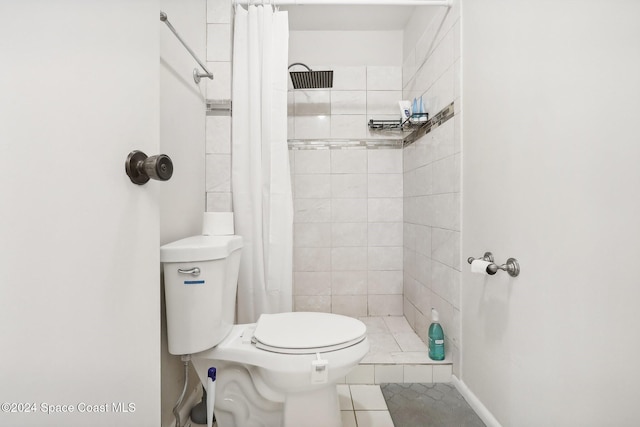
[141,168]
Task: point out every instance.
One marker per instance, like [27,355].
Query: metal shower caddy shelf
[411,123]
[410,129]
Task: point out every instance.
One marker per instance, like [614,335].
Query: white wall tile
[385,234]
[312,127]
[361,374]
[348,127]
[418,374]
[312,303]
[312,186]
[385,282]
[312,102]
[349,283]
[312,283]
[385,185]
[349,78]
[444,245]
[348,234]
[383,102]
[348,102]
[218,11]
[349,305]
[349,161]
[385,258]
[384,78]
[312,161]
[220,86]
[291,127]
[311,210]
[389,374]
[423,239]
[386,209]
[384,161]
[444,140]
[385,305]
[348,185]
[219,202]
[312,259]
[218,173]
[218,134]
[349,210]
[312,235]
[349,259]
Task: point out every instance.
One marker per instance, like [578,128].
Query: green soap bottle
[436,338]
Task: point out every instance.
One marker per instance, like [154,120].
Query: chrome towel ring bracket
[511,266]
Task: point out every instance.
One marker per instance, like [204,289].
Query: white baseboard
[485,415]
[189,402]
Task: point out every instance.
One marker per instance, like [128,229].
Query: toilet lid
[305,333]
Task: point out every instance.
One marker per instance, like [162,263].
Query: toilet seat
[307,332]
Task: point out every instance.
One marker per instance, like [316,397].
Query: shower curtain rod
[196,75]
[348,2]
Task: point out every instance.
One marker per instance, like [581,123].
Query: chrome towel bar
[196,75]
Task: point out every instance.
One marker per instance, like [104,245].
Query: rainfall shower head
[310,79]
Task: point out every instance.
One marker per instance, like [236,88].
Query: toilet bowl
[281,370]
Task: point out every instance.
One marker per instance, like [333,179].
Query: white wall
[182,137]
[551,178]
[346,48]
[79,282]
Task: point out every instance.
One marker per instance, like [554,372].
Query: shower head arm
[299,63]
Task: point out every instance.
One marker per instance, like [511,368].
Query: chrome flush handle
[195,271]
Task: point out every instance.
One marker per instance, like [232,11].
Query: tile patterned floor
[363,406]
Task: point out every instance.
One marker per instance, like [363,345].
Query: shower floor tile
[394,342]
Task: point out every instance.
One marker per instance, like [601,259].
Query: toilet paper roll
[217,224]
[479,266]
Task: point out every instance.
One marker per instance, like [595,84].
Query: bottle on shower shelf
[436,337]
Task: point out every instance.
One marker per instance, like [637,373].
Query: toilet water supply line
[185,361]
[211,392]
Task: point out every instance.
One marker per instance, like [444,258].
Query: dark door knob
[141,168]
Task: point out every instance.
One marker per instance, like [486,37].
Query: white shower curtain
[262,199]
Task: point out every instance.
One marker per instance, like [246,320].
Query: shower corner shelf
[407,126]
[408,130]
[404,130]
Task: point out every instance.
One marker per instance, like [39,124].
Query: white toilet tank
[200,282]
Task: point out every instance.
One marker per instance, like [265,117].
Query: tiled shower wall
[348,202]
[342,112]
[348,231]
[432,184]
[218,124]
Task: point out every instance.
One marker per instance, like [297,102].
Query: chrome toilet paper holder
[511,266]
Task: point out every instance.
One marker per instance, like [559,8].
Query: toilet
[281,370]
